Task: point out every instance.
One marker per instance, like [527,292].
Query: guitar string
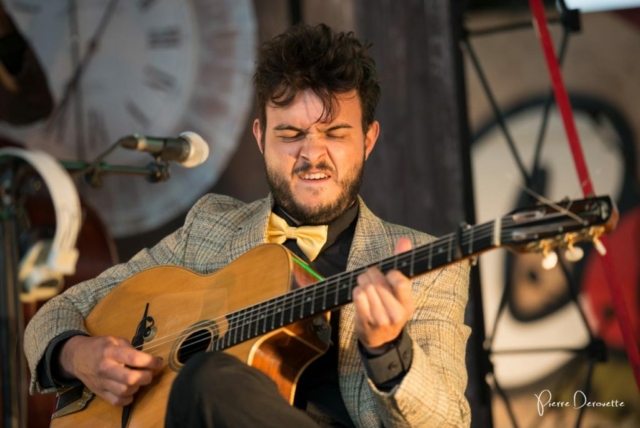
[234,327]
[331,284]
[283,302]
[262,313]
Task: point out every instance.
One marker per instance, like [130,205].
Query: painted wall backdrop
[599,71]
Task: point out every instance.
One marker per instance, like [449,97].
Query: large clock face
[160,67]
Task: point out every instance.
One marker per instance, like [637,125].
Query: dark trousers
[217,390]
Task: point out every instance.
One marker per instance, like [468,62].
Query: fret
[335,301]
[237,335]
[273,315]
[293,305]
[239,326]
[263,316]
[471,240]
[395,262]
[234,330]
[450,249]
[324,296]
[255,321]
[303,300]
[313,300]
[282,313]
[242,319]
[430,254]
[248,321]
[404,263]
[351,282]
[227,336]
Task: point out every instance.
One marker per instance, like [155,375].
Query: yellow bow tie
[310,239]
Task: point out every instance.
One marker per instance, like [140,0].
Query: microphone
[188,149]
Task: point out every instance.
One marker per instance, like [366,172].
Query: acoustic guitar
[263,308]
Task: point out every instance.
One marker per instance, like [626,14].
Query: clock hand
[74,80]
[75,52]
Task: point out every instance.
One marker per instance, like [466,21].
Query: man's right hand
[110,367]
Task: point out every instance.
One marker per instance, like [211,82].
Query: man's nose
[313,149]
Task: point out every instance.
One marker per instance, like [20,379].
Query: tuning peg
[599,246]
[573,254]
[550,260]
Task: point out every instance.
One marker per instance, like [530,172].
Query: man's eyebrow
[284,127]
[336,127]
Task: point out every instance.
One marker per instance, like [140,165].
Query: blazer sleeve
[432,391]
[67,312]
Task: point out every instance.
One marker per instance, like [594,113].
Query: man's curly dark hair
[316,58]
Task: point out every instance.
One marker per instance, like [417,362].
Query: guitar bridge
[72,400]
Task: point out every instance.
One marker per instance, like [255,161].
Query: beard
[321,214]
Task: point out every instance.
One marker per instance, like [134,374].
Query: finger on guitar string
[402,246]
[111,367]
[128,377]
[393,291]
[400,286]
[126,354]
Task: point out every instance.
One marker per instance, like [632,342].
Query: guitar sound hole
[196,342]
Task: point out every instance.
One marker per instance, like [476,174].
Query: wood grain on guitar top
[179,298]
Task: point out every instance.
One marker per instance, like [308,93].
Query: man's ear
[257,133]
[371,137]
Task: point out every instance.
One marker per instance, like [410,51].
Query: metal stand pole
[14,387]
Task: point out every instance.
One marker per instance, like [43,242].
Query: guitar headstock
[547,227]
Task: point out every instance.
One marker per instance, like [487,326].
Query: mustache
[321,166]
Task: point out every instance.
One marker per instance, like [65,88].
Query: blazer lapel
[370,245]
[252,231]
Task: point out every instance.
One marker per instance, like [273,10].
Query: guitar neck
[337,290]
[539,228]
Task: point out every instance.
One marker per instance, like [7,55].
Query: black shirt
[318,390]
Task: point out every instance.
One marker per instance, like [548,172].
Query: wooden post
[419,174]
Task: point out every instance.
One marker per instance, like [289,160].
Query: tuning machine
[572,253]
[599,246]
[595,233]
[550,259]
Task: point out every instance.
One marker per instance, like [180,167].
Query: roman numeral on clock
[137,114]
[158,79]
[146,4]
[169,37]
[98,136]
[24,7]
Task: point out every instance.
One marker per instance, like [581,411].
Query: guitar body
[181,301]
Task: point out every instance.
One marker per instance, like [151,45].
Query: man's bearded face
[314,165]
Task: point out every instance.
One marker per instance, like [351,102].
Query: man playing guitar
[396,355]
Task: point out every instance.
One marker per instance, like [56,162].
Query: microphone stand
[12,368]
[92,173]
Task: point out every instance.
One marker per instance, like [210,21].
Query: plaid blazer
[218,229]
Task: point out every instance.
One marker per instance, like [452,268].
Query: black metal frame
[596,350]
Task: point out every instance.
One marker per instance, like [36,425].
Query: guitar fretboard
[337,290]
